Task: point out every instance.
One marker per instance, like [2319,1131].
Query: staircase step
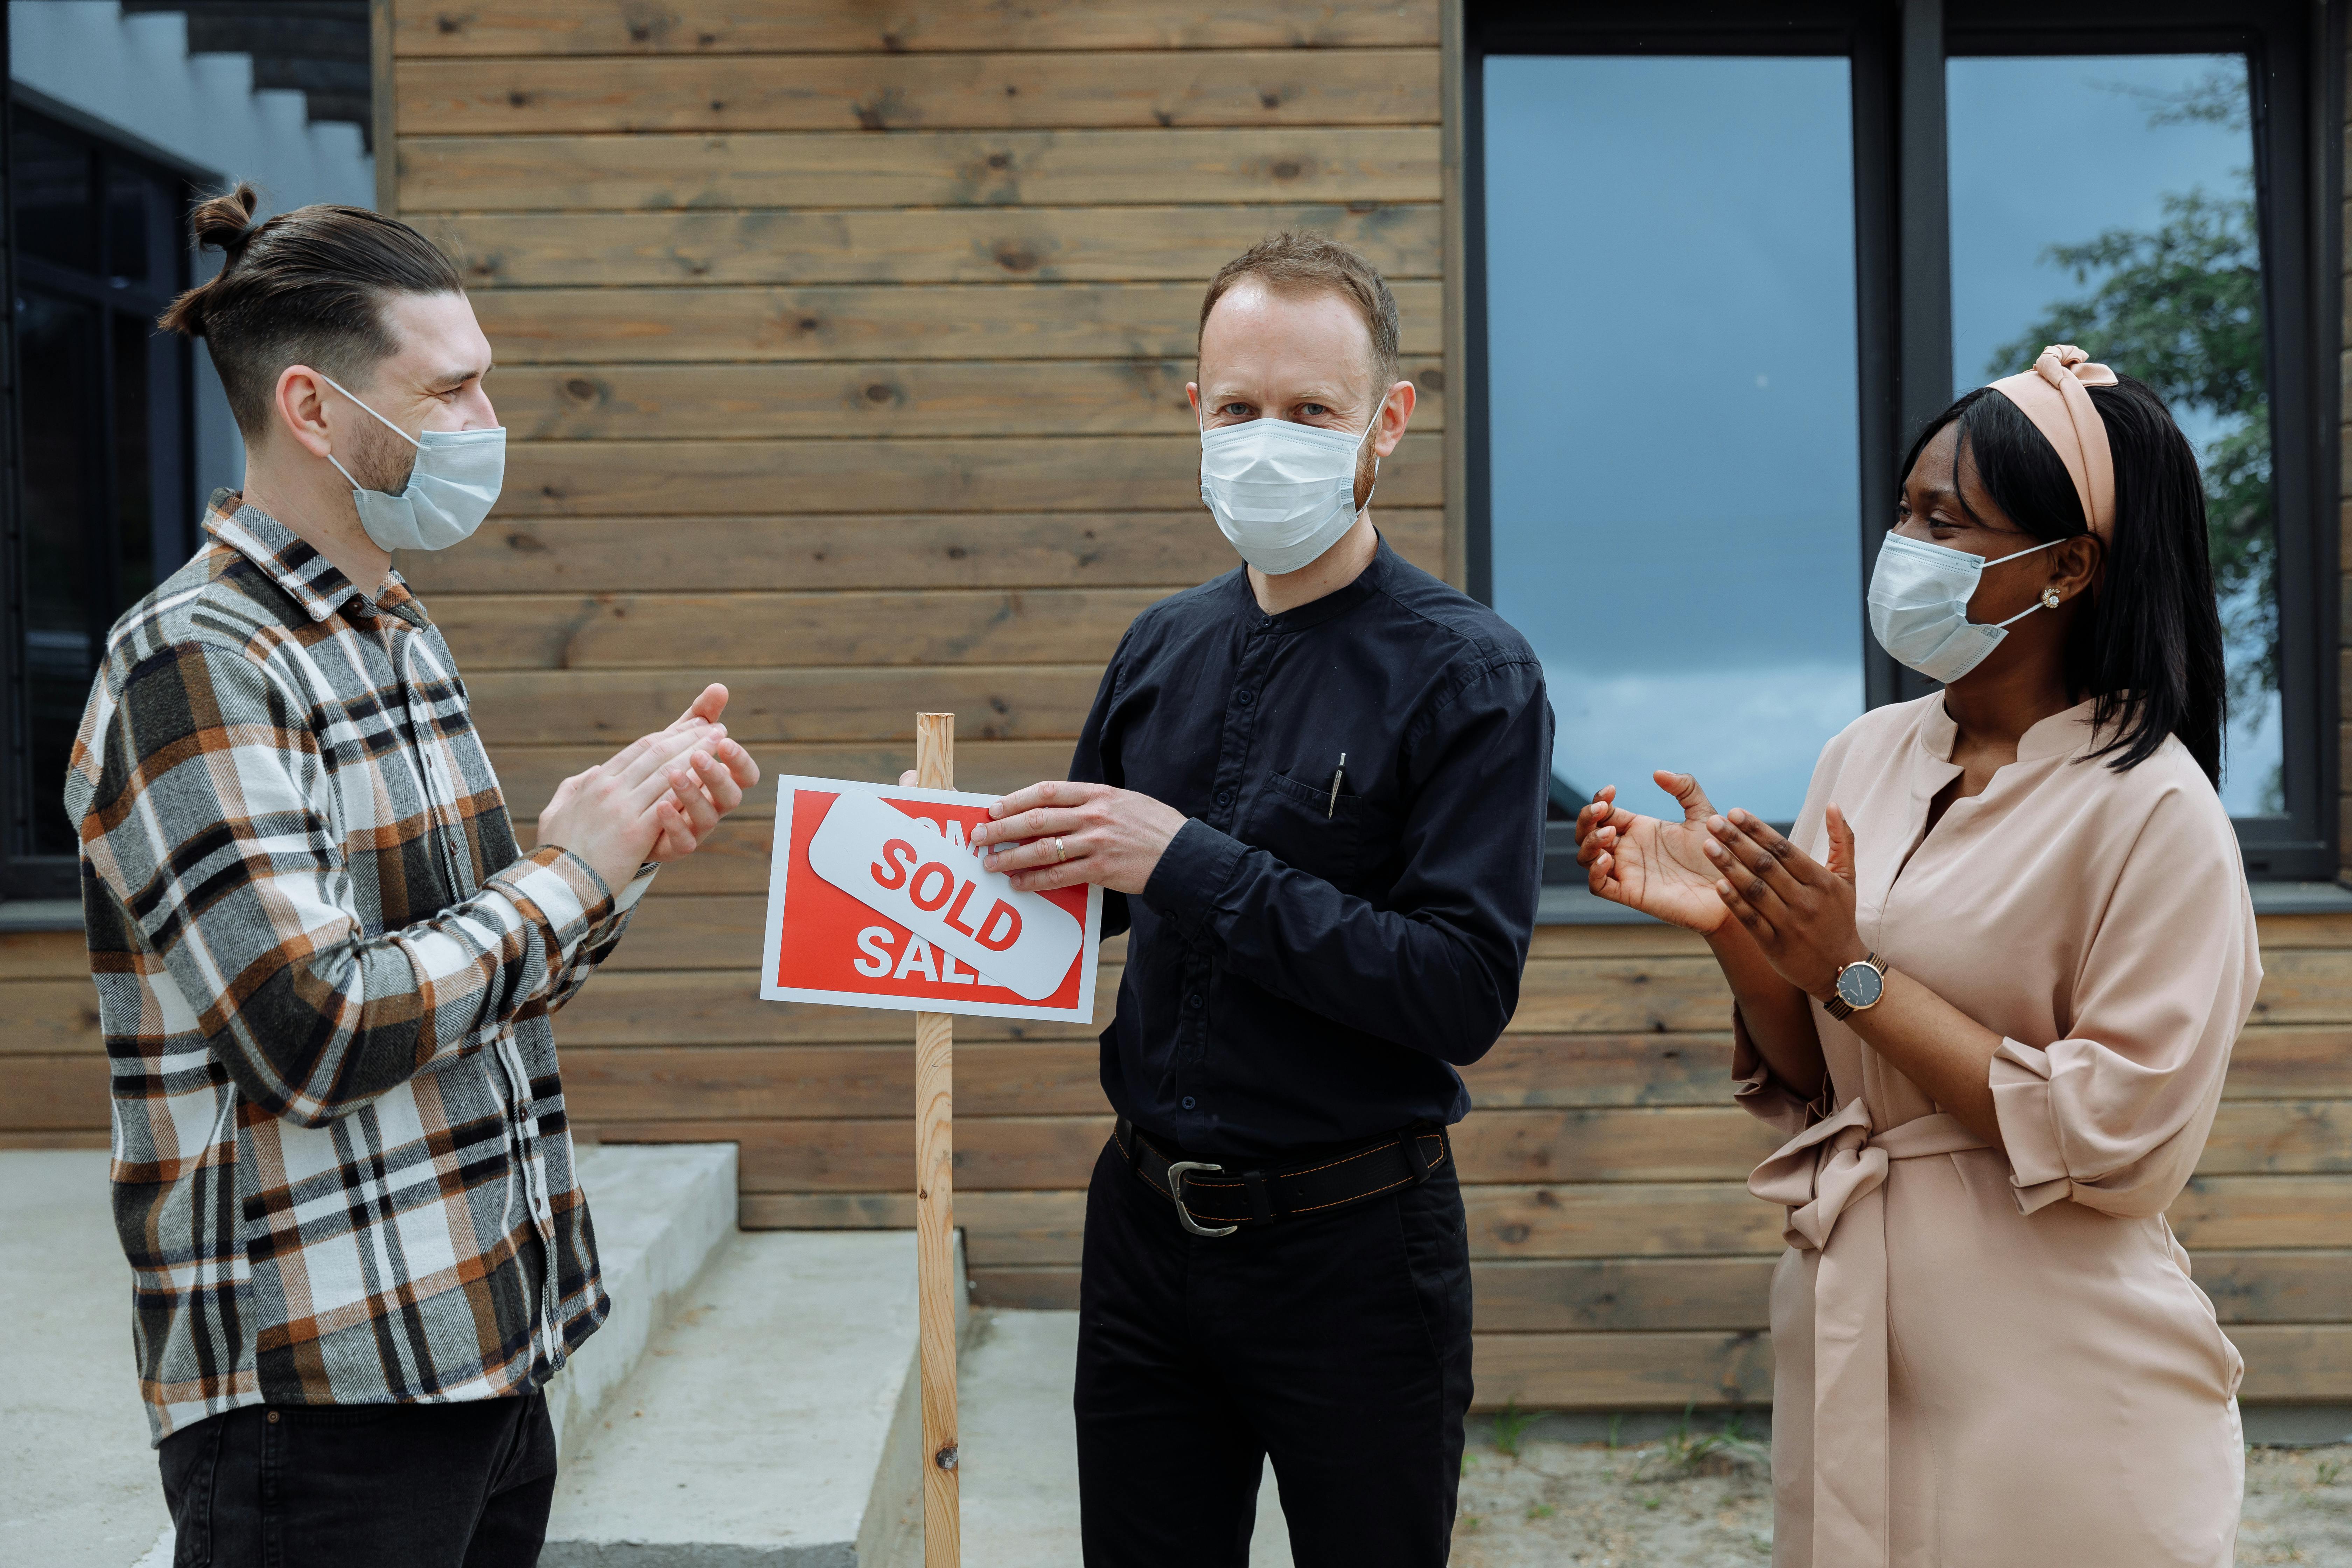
[661,1212]
[773,1421]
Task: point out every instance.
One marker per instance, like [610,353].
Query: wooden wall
[844,345]
[1620,1260]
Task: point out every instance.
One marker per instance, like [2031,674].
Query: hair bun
[225,222]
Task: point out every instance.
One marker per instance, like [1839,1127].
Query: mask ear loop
[1377,410]
[339,386]
[371,413]
[2038,603]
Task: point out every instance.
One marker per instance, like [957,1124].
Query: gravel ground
[2298,1507]
[1637,1506]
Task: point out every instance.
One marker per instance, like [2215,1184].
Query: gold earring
[2049,598]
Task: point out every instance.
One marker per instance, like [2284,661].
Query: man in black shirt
[1313,790]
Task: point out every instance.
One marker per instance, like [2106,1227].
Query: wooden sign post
[935,1215]
[878,898]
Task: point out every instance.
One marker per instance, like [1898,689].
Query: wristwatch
[1859,986]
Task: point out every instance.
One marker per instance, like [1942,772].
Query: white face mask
[1282,492]
[1919,597]
[452,487]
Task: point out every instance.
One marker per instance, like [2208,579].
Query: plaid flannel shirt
[341,1168]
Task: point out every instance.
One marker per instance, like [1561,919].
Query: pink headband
[2053,395]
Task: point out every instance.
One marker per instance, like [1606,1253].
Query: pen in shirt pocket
[1337,775]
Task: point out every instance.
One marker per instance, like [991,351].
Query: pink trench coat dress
[1990,1360]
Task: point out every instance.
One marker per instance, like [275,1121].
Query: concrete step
[661,1212]
[774,1421]
[79,1487]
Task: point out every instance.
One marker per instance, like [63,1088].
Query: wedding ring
[1060,854]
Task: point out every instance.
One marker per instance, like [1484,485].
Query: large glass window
[1672,411]
[102,509]
[2109,199]
[1724,262]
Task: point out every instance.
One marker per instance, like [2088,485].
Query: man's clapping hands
[658,798]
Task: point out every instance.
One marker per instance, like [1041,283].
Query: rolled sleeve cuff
[2029,1126]
[1757,1091]
[1193,871]
[627,899]
[563,895]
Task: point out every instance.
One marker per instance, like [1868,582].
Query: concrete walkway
[78,1482]
[1021,1449]
[813,1330]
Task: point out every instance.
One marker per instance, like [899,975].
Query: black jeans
[1339,1346]
[363,1485]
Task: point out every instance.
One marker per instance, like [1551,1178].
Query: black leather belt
[1213,1202]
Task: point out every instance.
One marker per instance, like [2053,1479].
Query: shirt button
[273,1418]
[1188,1102]
[1245,697]
[1224,798]
[1195,1001]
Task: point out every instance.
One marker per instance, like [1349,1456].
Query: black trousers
[363,1485]
[1338,1346]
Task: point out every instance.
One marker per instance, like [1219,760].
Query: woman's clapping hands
[1800,912]
[1659,868]
[1711,867]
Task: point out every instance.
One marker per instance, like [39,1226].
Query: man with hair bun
[343,1172]
[1314,791]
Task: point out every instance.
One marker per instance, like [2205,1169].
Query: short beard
[379,460]
[1368,468]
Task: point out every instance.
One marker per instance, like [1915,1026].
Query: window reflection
[1673,412]
[2109,201]
[58,350]
[102,508]
[50,175]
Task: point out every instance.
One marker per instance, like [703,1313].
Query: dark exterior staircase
[316,47]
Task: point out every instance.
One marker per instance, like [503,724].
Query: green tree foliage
[2181,307]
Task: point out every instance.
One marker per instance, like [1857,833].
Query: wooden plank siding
[1619,1260]
[844,347]
[844,350]
[844,353]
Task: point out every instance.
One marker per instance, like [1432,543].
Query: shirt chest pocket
[1343,841]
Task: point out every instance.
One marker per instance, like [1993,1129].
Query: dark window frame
[25,873]
[1904,291]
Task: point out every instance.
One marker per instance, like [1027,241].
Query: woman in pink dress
[1988,984]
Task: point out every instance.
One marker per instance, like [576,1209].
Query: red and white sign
[875,898]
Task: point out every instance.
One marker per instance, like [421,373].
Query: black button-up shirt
[1305,971]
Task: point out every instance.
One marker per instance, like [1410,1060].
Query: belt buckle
[1176,1173]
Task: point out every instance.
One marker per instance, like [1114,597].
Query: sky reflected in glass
[2057,151]
[1673,412]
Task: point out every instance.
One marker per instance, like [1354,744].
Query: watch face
[1859,984]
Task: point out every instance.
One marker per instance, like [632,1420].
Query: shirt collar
[310,579]
[2059,735]
[1330,607]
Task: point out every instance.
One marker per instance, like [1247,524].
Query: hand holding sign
[1059,834]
